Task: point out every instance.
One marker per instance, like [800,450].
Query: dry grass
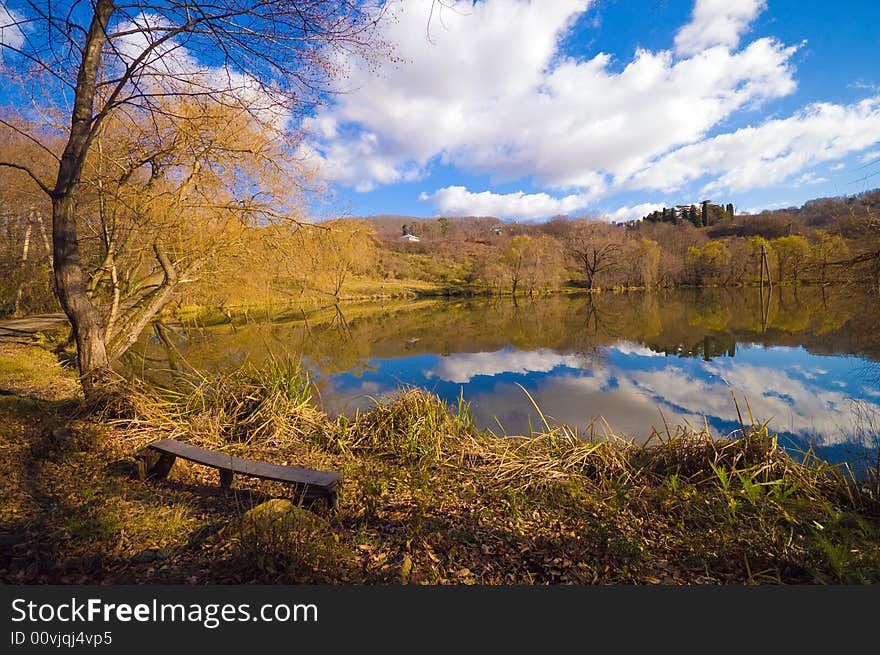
[427,498]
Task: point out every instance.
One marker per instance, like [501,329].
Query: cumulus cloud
[171,67]
[493,94]
[716,23]
[458,201]
[793,405]
[631,348]
[462,368]
[632,213]
[10,31]
[809,178]
[755,157]
[586,402]
[631,399]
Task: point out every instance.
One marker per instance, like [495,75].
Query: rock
[273,517]
[62,436]
[150,555]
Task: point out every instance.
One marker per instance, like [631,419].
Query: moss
[35,371]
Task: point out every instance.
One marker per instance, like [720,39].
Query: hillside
[834,214]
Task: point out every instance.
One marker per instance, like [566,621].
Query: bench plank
[326,481]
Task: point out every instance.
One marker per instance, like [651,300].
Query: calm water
[807,364]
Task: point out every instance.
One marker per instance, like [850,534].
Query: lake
[805,360]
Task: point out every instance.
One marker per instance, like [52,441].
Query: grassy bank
[427,498]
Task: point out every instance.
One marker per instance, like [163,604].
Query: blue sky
[526,109]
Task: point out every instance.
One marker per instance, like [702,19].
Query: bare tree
[868,238]
[102,59]
[596,247]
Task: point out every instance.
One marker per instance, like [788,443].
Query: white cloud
[868,157]
[585,402]
[461,368]
[493,94]
[632,213]
[788,403]
[755,157]
[809,178]
[458,201]
[631,348]
[11,33]
[716,23]
[173,68]
[838,166]
[631,400]
[773,205]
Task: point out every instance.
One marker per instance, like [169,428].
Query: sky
[527,109]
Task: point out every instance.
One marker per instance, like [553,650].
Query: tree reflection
[705,323]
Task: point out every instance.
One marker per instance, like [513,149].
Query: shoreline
[426,498]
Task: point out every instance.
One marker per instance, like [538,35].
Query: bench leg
[316,499]
[162,467]
[140,467]
[226,478]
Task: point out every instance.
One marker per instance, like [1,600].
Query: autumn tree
[862,224]
[827,248]
[543,263]
[792,256]
[674,242]
[104,61]
[335,250]
[25,231]
[596,247]
[708,262]
[515,260]
[641,262]
[173,202]
[491,271]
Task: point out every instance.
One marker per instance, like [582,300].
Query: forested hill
[844,215]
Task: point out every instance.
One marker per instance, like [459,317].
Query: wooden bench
[309,485]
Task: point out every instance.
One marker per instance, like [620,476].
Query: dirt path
[17,328]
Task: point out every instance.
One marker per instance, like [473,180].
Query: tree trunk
[94,365]
[71,289]
[19,294]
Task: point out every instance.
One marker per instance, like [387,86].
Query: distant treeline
[828,240]
[702,215]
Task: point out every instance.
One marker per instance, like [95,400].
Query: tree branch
[32,175]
